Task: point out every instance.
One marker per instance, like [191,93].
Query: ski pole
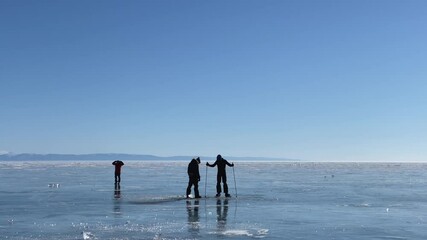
[206,179]
[235,186]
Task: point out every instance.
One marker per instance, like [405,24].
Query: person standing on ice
[118,169]
[221,175]
[193,177]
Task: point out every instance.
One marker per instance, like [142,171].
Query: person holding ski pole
[221,175]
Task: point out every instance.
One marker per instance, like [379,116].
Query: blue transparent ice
[282,200]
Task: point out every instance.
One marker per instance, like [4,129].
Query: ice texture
[276,200]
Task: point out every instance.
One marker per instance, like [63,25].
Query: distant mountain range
[115,156]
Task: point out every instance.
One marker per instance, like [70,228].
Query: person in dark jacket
[118,169]
[194,177]
[221,175]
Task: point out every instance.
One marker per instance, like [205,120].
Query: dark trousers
[117,177]
[218,183]
[193,181]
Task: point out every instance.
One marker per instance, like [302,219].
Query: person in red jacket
[118,167]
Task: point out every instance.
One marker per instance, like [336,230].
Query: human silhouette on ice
[117,171]
[193,177]
[221,175]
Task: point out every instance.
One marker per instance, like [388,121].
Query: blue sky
[315,80]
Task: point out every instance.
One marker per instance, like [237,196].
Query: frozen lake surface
[284,200]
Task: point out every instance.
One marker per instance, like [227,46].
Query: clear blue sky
[317,80]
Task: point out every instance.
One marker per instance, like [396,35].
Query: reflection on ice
[117,201]
[117,191]
[193,216]
[221,214]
